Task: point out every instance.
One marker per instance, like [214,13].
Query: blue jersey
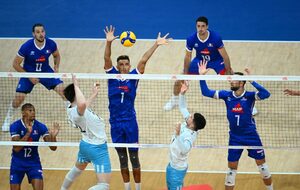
[239,111]
[207,49]
[121,94]
[37,59]
[28,154]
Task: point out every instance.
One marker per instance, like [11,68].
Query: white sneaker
[6,124]
[172,103]
[254,111]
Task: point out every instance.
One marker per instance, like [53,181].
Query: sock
[270,187]
[127,186]
[137,186]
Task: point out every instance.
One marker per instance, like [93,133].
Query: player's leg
[37,184]
[80,165]
[259,156]
[100,159]
[16,178]
[132,136]
[174,178]
[118,136]
[54,84]
[24,87]
[173,101]
[35,177]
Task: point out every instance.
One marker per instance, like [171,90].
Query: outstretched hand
[247,70]
[162,40]
[96,88]
[55,129]
[203,67]
[109,32]
[184,87]
[291,92]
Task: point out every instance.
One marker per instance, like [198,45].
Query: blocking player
[209,46]
[182,141]
[121,94]
[35,54]
[25,159]
[239,105]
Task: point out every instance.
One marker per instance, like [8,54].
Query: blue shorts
[26,86]
[249,140]
[125,132]
[217,66]
[174,178]
[97,154]
[17,174]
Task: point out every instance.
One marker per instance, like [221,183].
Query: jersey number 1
[122,97]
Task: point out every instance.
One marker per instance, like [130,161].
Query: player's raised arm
[187,61]
[94,94]
[226,59]
[159,41]
[204,88]
[56,59]
[110,37]
[52,135]
[182,102]
[291,92]
[262,92]
[79,97]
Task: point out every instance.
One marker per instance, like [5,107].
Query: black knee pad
[134,158]
[122,153]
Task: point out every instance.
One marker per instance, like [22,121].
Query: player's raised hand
[109,32]
[74,80]
[291,92]
[247,71]
[177,129]
[96,88]
[162,40]
[184,87]
[202,66]
[55,129]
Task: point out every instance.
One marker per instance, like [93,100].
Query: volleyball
[127,38]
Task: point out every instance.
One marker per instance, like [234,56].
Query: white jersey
[182,144]
[91,125]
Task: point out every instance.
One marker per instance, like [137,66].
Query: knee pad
[100,186]
[73,173]
[134,158]
[264,171]
[122,152]
[230,177]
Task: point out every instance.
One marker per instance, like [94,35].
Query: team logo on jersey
[238,109]
[48,51]
[210,45]
[35,132]
[124,88]
[228,99]
[32,53]
[205,51]
[244,99]
[22,132]
[41,59]
[196,45]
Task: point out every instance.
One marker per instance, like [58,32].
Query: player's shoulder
[214,33]
[39,124]
[249,93]
[50,42]
[17,123]
[28,43]
[193,36]
[225,92]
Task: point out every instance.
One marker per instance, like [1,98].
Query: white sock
[137,186]
[70,177]
[127,186]
[270,187]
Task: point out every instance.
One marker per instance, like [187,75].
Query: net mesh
[277,121]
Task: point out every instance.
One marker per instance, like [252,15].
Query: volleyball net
[277,120]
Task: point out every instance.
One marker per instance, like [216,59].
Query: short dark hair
[202,19]
[240,73]
[199,121]
[123,57]
[69,92]
[27,106]
[37,25]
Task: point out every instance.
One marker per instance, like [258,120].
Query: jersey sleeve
[14,130]
[53,46]
[219,42]
[22,51]
[189,44]
[222,94]
[112,70]
[44,130]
